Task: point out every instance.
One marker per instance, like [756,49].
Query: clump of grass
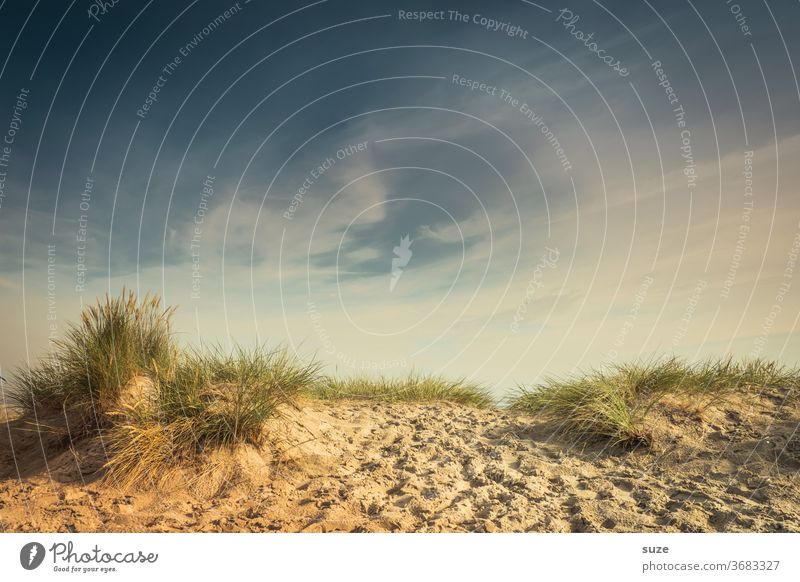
[614,403]
[650,379]
[711,381]
[413,388]
[119,371]
[145,450]
[116,339]
[234,393]
[589,406]
[206,399]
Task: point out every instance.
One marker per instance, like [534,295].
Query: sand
[364,467]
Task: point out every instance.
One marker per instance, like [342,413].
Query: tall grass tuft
[205,399]
[145,451]
[116,339]
[413,388]
[234,393]
[712,381]
[595,405]
[614,403]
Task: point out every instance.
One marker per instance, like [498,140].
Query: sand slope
[433,467]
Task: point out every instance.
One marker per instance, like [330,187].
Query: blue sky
[257,163]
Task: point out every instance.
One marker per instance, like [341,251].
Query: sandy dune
[433,467]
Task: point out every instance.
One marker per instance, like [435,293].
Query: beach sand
[364,467]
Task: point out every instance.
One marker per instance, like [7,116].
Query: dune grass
[119,371]
[412,388]
[207,399]
[116,339]
[614,403]
[229,394]
[592,405]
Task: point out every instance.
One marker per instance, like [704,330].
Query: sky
[498,191]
